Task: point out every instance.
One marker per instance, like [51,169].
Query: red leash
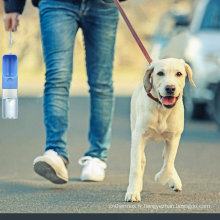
[140,44]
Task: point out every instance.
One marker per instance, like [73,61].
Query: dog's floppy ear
[147,79]
[189,73]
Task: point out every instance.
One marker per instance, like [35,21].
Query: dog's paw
[132,197]
[162,177]
[175,184]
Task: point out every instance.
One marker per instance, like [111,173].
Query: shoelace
[91,160]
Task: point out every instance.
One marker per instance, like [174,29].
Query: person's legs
[99,25]
[59,26]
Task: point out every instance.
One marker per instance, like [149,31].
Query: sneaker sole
[45,170]
[90,179]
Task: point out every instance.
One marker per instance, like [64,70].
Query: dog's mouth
[168,101]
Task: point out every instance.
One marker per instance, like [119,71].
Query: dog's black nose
[170,89]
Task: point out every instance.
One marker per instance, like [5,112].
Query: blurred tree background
[129,62]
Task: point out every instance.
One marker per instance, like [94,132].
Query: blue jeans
[60,22]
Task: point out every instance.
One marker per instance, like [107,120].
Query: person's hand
[11,21]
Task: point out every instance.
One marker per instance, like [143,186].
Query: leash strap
[140,44]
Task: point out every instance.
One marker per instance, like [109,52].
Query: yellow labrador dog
[157,114]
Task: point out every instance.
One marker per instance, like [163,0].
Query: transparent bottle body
[9,104]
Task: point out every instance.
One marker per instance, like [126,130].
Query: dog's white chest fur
[157,129]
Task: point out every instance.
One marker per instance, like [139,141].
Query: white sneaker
[93,169]
[52,167]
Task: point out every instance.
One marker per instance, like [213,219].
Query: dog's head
[166,78]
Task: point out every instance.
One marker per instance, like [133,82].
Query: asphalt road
[21,190]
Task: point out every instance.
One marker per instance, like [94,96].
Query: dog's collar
[151,96]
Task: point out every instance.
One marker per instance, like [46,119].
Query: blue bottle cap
[9,71]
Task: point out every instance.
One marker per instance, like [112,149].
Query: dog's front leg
[136,168]
[169,156]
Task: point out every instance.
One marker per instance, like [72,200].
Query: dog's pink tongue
[168,100]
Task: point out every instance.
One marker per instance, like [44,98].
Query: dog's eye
[178,74]
[160,74]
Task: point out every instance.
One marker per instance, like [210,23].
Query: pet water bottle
[10,85]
